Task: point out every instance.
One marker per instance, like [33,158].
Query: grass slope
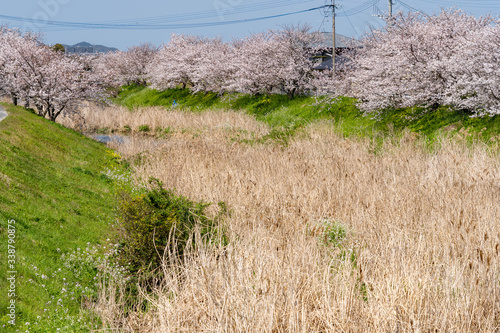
[286,115]
[52,186]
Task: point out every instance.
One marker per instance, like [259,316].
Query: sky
[124,23]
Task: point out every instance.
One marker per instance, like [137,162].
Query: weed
[103,130]
[164,132]
[334,233]
[144,128]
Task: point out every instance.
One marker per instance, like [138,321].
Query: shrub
[159,223]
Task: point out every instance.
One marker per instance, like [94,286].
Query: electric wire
[220,13]
[103,26]
[168,22]
[410,8]
[349,19]
[210,14]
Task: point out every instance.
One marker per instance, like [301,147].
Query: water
[104,138]
[3,113]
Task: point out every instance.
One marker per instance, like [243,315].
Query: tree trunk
[52,113]
[39,108]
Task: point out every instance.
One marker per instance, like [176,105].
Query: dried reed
[421,252]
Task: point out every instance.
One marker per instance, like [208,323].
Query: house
[322,58]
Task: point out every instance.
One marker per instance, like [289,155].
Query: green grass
[53,186]
[286,115]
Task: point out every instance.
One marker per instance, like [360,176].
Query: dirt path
[3,113]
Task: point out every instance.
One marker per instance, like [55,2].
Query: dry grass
[422,227]
[93,117]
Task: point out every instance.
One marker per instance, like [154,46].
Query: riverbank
[287,116]
[58,187]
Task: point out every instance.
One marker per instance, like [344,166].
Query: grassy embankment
[53,186]
[286,115]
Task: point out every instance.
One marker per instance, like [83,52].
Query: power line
[167,22]
[353,28]
[209,14]
[361,8]
[128,26]
[410,8]
[168,19]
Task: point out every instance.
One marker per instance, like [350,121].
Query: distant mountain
[84,47]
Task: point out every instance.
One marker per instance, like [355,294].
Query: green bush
[333,233]
[144,128]
[159,223]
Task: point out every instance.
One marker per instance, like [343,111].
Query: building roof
[328,64]
[341,41]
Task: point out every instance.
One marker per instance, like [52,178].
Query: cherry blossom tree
[271,62]
[50,81]
[127,67]
[417,60]
[61,84]
[277,62]
[295,48]
[104,66]
[215,69]
[15,50]
[476,69]
[176,62]
[256,61]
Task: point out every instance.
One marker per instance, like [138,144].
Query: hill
[84,47]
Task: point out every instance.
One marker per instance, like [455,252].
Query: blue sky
[354,17]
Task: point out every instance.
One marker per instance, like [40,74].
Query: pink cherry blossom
[49,81]
[449,58]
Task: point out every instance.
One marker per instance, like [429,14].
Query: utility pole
[389,15]
[333,36]
[387,18]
